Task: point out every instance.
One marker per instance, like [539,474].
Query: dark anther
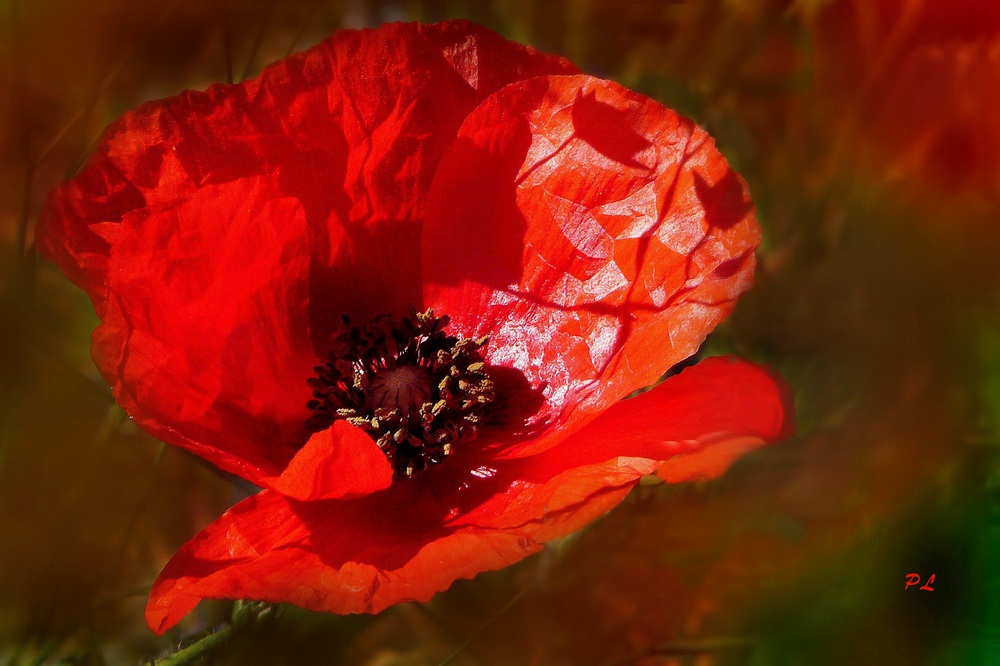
[415,389]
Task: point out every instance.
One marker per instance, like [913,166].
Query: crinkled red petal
[81,219]
[352,127]
[205,335]
[471,513]
[595,235]
[399,95]
[370,553]
[303,189]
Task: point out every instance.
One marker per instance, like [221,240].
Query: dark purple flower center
[415,389]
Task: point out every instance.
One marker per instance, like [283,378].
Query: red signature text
[914,579]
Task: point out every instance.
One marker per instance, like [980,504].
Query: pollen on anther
[416,390]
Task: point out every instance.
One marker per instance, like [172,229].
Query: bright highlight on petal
[527,245]
[610,237]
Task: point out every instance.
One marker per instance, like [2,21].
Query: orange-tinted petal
[340,462]
[367,554]
[595,235]
[697,422]
[691,426]
[469,514]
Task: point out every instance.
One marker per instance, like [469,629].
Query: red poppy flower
[559,242]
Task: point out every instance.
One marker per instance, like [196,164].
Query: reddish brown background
[869,135]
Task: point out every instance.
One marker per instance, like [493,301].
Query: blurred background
[869,134]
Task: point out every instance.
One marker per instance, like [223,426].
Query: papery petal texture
[591,285]
[415,538]
[196,338]
[333,150]
[574,241]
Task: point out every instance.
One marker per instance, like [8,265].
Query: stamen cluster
[415,389]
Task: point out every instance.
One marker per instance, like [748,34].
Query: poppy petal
[205,331]
[595,235]
[336,126]
[161,153]
[363,555]
[398,96]
[418,536]
[339,462]
[691,426]
[331,131]
[696,422]
[78,222]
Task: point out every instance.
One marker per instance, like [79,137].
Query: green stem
[197,649]
[245,613]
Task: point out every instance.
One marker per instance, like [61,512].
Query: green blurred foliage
[876,297]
